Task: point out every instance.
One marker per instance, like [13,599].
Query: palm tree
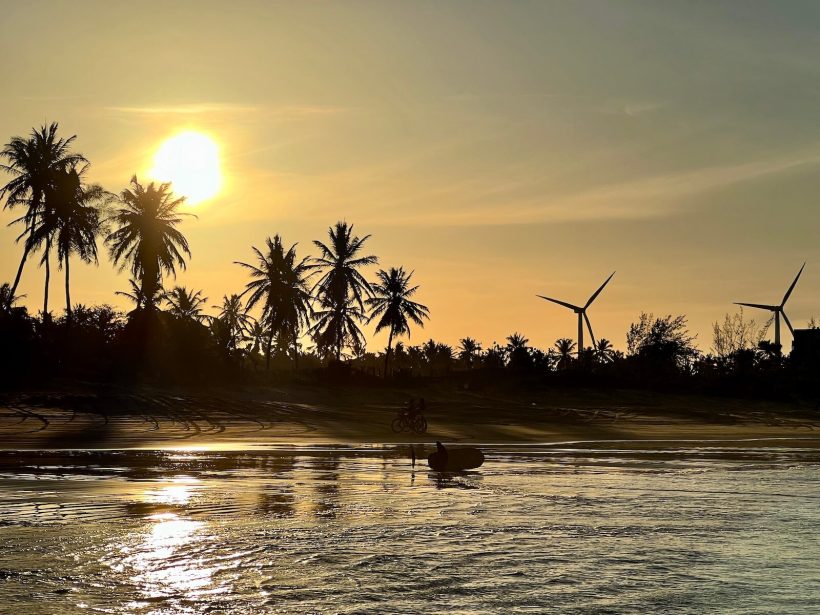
[337,327]
[279,282]
[71,221]
[235,319]
[391,303]
[32,163]
[185,304]
[7,298]
[146,239]
[565,347]
[516,341]
[604,351]
[256,333]
[141,302]
[468,350]
[518,354]
[341,283]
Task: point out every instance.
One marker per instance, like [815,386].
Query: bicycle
[407,422]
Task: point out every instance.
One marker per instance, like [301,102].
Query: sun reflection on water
[178,491]
[166,562]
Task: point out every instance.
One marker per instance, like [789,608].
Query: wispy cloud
[480,201]
[227,108]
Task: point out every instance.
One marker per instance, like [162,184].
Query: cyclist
[411,410]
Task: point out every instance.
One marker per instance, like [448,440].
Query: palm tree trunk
[67,293]
[47,257]
[26,250]
[387,354]
[295,350]
[267,351]
[19,273]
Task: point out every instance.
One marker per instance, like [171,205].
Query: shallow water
[346,530]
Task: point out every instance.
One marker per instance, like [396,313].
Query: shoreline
[81,417]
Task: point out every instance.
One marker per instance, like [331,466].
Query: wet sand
[93,418]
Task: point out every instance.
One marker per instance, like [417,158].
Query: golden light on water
[190,161]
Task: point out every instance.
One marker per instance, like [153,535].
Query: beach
[87,417]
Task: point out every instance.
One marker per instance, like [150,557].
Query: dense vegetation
[296,313]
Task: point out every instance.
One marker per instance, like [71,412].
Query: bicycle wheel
[396,425]
[420,424]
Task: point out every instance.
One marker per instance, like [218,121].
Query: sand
[82,417]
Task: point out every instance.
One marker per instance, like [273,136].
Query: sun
[190,161]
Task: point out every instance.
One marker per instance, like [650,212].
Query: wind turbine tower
[778,309]
[582,313]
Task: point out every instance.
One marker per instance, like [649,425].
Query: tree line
[328,298]
[293,307]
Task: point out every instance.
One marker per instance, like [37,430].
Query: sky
[498,149]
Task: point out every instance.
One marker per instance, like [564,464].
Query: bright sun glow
[190,161]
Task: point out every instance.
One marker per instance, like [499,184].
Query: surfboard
[456,459]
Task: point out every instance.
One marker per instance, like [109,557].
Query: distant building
[806,351]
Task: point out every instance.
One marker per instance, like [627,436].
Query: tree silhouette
[341,288]
[392,305]
[337,327]
[234,318]
[141,302]
[7,298]
[279,282]
[604,351]
[184,303]
[468,351]
[71,221]
[146,239]
[32,162]
[518,353]
[256,333]
[565,347]
[662,343]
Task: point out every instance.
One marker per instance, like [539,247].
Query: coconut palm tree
[7,298]
[517,351]
[565,347]
[234,318]
[184,303]
[31,162]
[71,221]
[392,305]
[257,334]
[279,283]
[604,351]
[468,350]
[337,327]
[341,284]
[340,262]
[516,341]
[141,302]
[146,239]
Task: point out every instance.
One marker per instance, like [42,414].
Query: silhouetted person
[443,454]
[422,406]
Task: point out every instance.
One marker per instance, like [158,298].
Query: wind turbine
[582,313]
[778,309]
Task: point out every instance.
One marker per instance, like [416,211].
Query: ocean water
[538,529]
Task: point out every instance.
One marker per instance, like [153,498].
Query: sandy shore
[88,417]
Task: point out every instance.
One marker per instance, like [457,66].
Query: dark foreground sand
[89,417]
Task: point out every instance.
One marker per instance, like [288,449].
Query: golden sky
[499,149]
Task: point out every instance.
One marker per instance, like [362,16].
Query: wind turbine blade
[791,288]
[589,326]
[759,306]
[574,308]
[598,292]
[788,324]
